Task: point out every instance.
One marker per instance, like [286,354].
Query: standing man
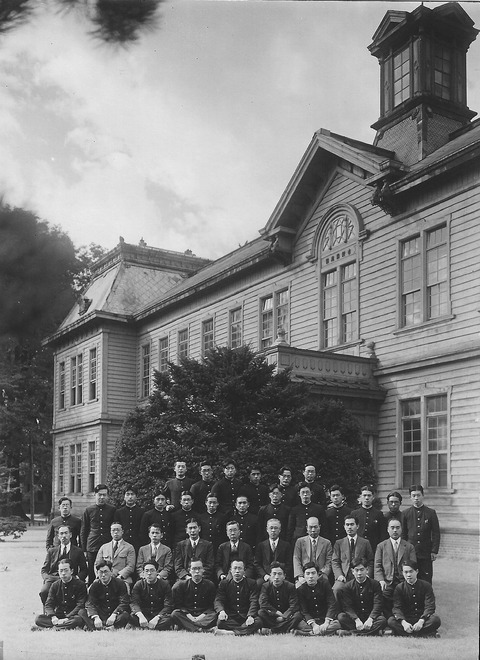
[336,512]
[179,484]
[317,490]
[372,525]
[274,549]
[130,517]
[158,516]
[414,606]
[233,549]
[56,554]
[179,518]
[119,553]
[193,600]
[96,522]
[151,600]
[297,522]
[421,529]
[290,493]
[278,603]
[276,509]
[346,551]
[312,548]
[228,488]
[256,492]
[236,603]
[193,547]
[390,556]
[65,605]
[246,521]
[200,489]
[212,523]
[362,603]
[394,502]
[317,604]
[65,518]
[158,551]
[108,602]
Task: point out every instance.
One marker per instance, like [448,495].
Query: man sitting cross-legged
[362,603]
[193,600]
[317,604]
[279,610]
[151,600]
[237,603]
[108,601]
[65,606]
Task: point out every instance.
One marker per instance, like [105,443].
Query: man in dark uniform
[65,518]
[96,522]
[362,603]
[297,522]
[336,512]
[179,484]
[130,517]
[273,549]
[414,606]
[247,521]
[317,490]
[200,489]
[65,605]
[236,603]
[394,502]
[228,488]
[372,524]
[56,554]
[212,523]
[193,547]
[193,600]
[233,549]
[421,529]
[157,516]
[276,509]
[179,518]
[256,492]
[278,603]
[151,600]
[108,601]
[317,604]
[290,493]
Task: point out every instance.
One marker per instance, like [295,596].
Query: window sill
[342,347]
[425,325]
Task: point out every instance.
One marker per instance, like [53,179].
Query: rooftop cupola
[422,56]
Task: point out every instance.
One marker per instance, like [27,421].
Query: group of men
[237,558]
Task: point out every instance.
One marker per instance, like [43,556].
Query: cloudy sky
[188,138]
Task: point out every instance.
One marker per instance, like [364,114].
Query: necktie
[154,551]
[395,555]
[64,553]
[314,549]
[352,549]
[115,547]
[194,548]
[273,546]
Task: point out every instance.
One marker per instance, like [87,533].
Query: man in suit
[414,606]
[236,603]
[276,509]
[66,550]
[372,524]
[200,489]
[212,523]
[312,548]
[108,601]
[120,553]
[179,518]
[278,603]
[158,551]
[345,551]
[274,549]
[193,600]
[193,547]
[233,549]
[317,604]
[95,531]
[394,502]
[256,492]
[421,529]
[130,517]
[65,518]
[228,488]
[179,484]
[336,512]
[151,602]
[65,605]
[246,521]
[157,516]
[297,521]
[362,603]
[390,556]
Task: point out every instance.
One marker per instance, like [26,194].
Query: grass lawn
[20,562]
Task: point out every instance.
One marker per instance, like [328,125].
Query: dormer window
[401,76]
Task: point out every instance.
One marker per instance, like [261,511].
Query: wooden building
[365,280]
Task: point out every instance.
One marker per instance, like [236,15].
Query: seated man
[317,604]
[65,606]
[312,547]
[390,556]
[151,601]
[193,600]
[345,551]
[155,550]
[414,606]
[273,549]
[108,601]
[236,603]
[278,603]
[233,549]
[362,603]
[66,550]
[193,546]
[120,553]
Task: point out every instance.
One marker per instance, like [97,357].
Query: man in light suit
[155,550]
[66,550]
[193,548]
[312,548]
[120,553]
[390,556]
[233,549]
[274,549]
[345,551]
